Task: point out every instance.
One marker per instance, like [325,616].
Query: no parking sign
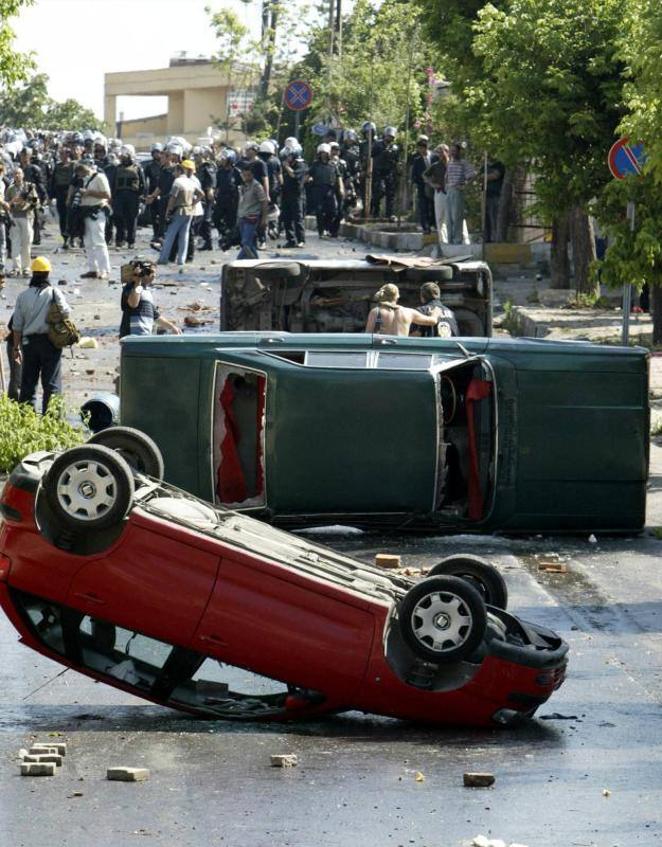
[626,159]
[298,95]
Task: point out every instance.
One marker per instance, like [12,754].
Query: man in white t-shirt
[95,199]
[184,195]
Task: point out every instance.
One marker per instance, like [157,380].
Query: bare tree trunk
[583,252]
[269,27]
[656,312]
[560,266]
[505,206]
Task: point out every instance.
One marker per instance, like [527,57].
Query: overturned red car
[111,572]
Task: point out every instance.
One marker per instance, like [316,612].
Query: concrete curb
[598,325]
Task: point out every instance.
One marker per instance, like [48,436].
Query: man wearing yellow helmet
[32,347]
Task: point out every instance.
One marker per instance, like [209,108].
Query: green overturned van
[470,434]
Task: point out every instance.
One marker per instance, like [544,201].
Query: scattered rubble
[387,560]
[478,780]
[124,774]
[483,841]
[88,343]
[284,760]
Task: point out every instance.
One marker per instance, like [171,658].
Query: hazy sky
[77,41]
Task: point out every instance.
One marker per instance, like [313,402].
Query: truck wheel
[442,619]
[484,577]
[273,271]
[138,450]
[89,487]
[469,323]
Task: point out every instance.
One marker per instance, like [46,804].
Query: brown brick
[387,560]
[553,567]
[123,774]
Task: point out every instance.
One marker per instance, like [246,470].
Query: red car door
[157,581]
[280,624]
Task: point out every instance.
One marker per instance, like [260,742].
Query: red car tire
[89,488]
[138,450]
[442,619]
[479,573]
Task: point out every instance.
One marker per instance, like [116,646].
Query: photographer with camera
[139,314]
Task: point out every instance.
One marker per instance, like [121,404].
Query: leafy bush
[23,431]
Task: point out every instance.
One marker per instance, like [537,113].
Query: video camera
[142,267]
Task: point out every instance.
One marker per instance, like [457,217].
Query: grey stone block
[37,769]
[285,760]
[124,774]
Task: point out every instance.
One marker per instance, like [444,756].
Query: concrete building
[198,94]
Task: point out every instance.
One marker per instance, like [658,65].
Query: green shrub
[23,431]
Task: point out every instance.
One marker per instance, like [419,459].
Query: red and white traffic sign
[626,159]
[298,95]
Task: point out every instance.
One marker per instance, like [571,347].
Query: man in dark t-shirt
[139,313]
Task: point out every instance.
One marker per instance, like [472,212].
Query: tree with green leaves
[236,58]
[551,96]
[367,81]
[642,49]
[634,254]
[14,66]
[265,64]
[29,105]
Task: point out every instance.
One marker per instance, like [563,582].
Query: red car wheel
[89,487]
[479,573]
[442,619]
[139,450]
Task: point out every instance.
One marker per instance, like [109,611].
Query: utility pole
[332,31]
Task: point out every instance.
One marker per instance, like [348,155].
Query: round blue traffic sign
[626,159]
[298,95]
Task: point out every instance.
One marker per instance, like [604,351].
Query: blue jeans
[248,238]
[178,229]
[455,200]
[40,359]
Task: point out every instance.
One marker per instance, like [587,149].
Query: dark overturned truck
[314,295]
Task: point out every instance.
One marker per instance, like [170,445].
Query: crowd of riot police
[331,185]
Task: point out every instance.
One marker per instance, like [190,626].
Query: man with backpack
[33,348]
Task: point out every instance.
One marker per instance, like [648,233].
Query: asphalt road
[586,771]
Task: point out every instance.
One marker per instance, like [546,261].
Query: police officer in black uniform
[152,171]
[61,178]
[127,189]
[228,179]
[326,187]
[431,305]
[171,158]
[385,155]
[206,173]
[366,146]
[343,172]
[420,162]
[351,154]
[33,173]
[294,174]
